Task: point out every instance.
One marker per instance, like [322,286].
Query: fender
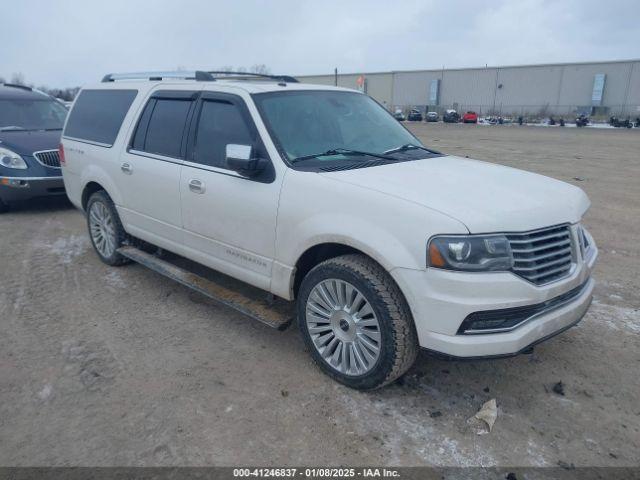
[97,174]
[314,209]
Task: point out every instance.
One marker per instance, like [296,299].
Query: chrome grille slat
[48,158]
[542,247]
[544,255]
[537,239]
[547,264]
[550,272]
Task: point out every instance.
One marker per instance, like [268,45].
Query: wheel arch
[320,252]
[88,190]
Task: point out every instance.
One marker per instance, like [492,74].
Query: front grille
[48,158]
[542,256]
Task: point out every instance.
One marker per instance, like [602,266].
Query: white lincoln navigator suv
[319,196]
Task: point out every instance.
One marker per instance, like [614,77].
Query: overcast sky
[68,43]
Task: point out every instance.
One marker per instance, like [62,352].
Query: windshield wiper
[341,151]
[10,128]
[408,146]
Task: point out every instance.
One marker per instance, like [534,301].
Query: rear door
[229,220]
[150,167]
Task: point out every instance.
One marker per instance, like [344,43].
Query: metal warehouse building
[598,88]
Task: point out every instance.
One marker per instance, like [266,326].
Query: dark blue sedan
[30,126]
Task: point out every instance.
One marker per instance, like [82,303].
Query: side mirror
[240,158]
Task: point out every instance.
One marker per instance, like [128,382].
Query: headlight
[473,253]
[11,159]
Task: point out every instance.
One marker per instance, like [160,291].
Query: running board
[246,299]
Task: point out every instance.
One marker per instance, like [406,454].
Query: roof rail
[197,75]
[15,85]
[282,78]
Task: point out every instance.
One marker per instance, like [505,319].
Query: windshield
[31,114]
[308,123]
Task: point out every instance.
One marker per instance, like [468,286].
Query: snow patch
[45,392]
[114,279]
[616,318]
[411,432]
[68,248]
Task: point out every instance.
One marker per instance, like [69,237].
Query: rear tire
[356,322]
[4,208]
[105,229]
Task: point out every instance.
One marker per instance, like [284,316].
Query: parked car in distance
[470,117]
[317,195]
[30,127]
[451,116]
[415,115]
[399,115]
[432,116]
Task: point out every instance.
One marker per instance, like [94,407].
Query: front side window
[97,115]
[312,122]
[220,124]
[31,114]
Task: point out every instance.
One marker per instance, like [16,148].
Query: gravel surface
[118,366]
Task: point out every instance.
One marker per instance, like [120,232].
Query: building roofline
[486,67]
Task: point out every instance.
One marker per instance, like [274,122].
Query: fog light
[14,182]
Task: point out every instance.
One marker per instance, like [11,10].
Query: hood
[485,197]
[25,143]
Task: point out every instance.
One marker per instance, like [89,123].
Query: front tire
[105,229]
[4,208]
[356,322]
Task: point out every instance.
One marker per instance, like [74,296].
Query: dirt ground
[118,366]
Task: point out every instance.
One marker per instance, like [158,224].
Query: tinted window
[220,124]
[166,127]
[97,115]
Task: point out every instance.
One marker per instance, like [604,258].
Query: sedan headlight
[472,253]
[11,159]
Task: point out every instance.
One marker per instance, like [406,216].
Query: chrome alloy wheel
[102,229]
[343,327]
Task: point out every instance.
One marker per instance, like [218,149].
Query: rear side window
[97,115]
[220,124]
[162,125]
[166,127]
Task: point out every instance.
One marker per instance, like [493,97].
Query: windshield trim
[312,165]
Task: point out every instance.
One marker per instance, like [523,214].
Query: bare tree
[260,68]
[18,78]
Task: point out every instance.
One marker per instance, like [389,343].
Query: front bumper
[14,189]
[440,301]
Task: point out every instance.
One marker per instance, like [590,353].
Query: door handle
[196,186]
[126,168]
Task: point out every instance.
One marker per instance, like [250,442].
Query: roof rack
[243,75]
[197,75]
[15,85]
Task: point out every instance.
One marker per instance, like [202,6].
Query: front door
[229,220]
